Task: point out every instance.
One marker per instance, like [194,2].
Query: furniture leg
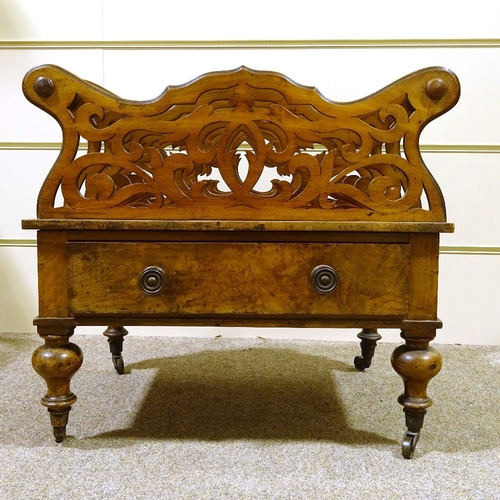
[416,363]
[369,338]
[115,336]
[56,362]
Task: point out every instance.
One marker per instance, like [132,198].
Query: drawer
[229,278]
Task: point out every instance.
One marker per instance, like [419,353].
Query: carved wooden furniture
[240,198]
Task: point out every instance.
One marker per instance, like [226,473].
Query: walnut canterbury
[240,198]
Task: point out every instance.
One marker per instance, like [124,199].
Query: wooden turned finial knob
[436,88]
[152,280]
[324,279]
[44,86]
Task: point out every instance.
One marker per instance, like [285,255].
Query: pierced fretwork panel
[242,145]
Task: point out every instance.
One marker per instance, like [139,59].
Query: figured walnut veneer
[240,198]
[250,278]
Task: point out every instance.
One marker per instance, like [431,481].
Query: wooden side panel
[52,274]
[424,261]
[239,279]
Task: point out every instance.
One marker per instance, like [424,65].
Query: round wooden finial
[44,86]
[436,88]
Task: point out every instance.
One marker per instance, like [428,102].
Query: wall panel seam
[425,148]
[456,250]
[249,44]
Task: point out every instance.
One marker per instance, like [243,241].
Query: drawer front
[237,278]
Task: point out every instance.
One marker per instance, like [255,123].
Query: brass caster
[59,434]
[410,440]
[118,364]
[361,363]
[369,338]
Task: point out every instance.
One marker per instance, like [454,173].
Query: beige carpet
[247,419]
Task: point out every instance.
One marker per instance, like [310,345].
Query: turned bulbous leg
[56,362]
[416,363]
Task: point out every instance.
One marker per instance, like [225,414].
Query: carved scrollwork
[242,144]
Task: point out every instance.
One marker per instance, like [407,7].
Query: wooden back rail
[242,145]
[240,198]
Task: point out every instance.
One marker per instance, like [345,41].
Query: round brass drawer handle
[152,280]
[324,279]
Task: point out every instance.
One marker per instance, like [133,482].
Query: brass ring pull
[152,280]
[324,279]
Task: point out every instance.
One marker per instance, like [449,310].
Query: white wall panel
[18,289]
[465,179]
[144,74]
[469,299]
[322,19]
[20,121]
[339,74]
[469,292]
[472,203]
[22,173]
[50,20]
[468,304]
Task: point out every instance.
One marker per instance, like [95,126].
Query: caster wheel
[410,440]
[118,364]
[360,363]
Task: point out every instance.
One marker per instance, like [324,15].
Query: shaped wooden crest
[242,144]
